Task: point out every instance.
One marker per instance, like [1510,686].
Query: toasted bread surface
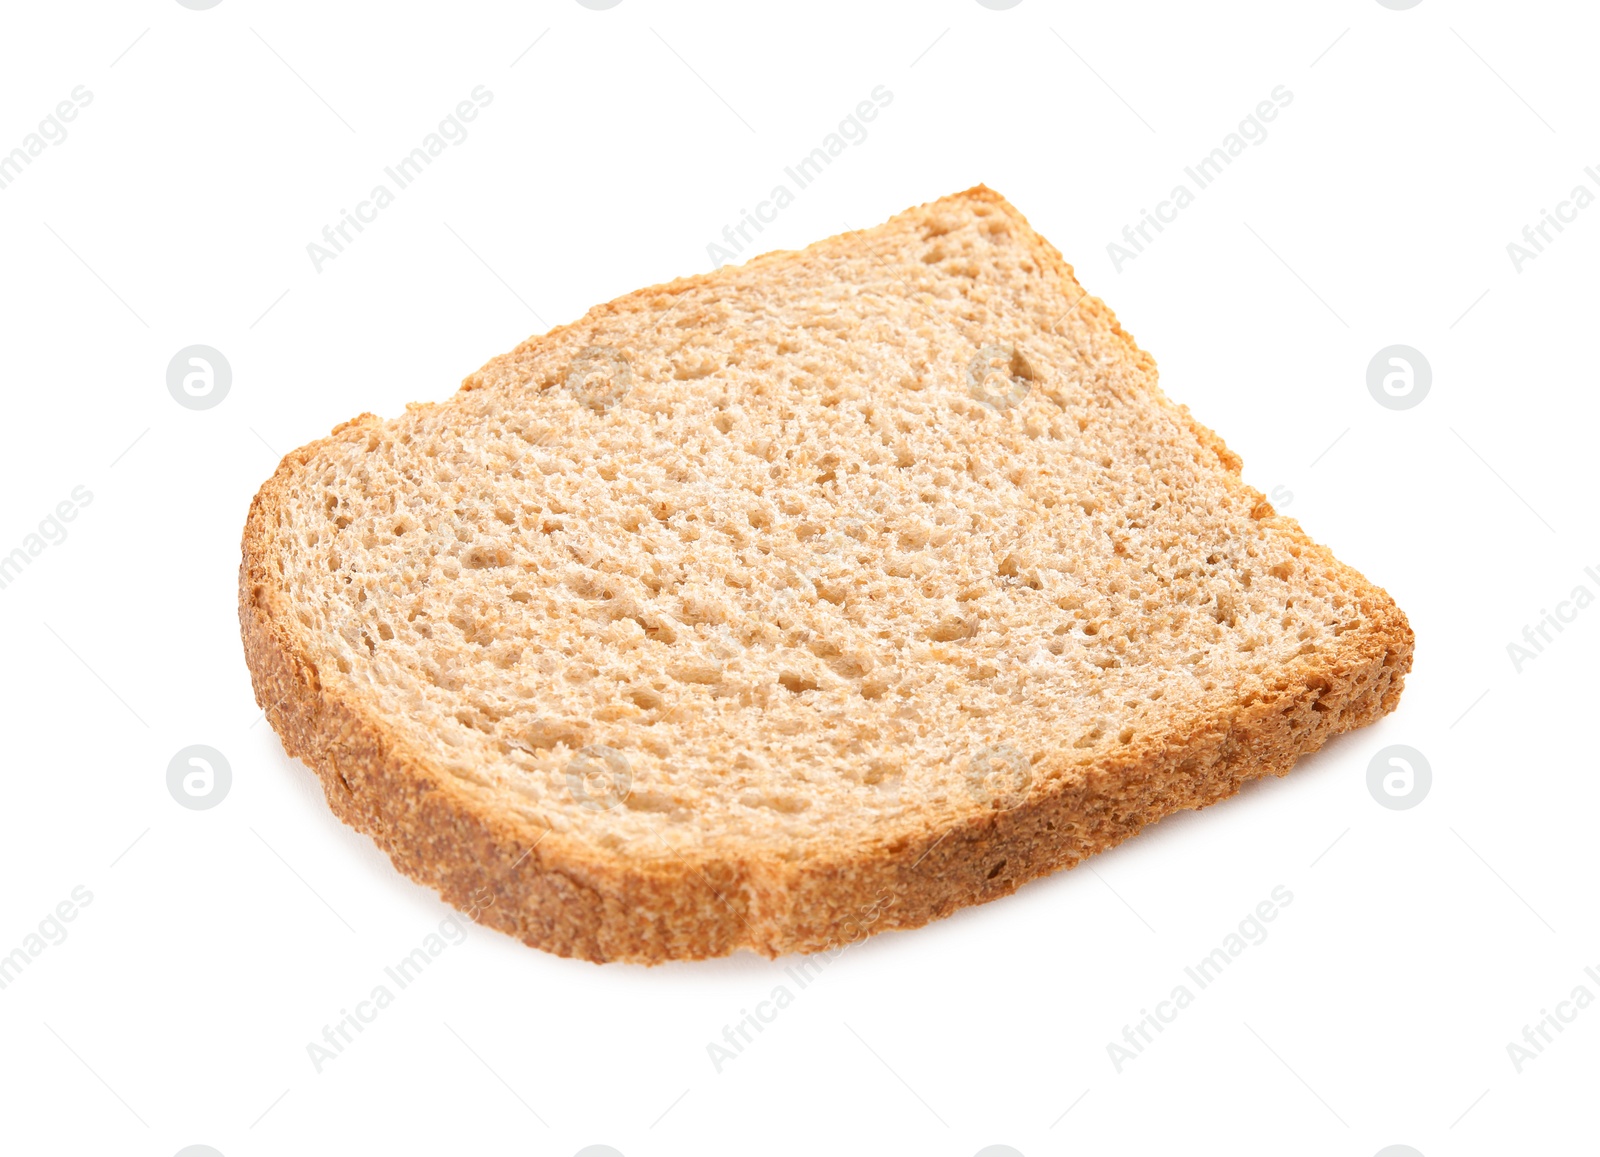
[796,601]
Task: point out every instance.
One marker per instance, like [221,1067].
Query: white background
[219,943]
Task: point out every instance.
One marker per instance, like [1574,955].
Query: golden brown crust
[559,895]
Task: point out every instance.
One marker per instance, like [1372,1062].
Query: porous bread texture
[796,601]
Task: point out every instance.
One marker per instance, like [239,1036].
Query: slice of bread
[796,601]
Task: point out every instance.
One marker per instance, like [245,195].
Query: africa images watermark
[52,930]
[52,130]
[1536,237]
[1252,130]
[51,531]
[1252,930]
[852,130]
[1539,1035]
[452,130]
[743,1032]
[1541,634]
[339,1035]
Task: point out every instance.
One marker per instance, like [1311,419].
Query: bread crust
[558,894]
